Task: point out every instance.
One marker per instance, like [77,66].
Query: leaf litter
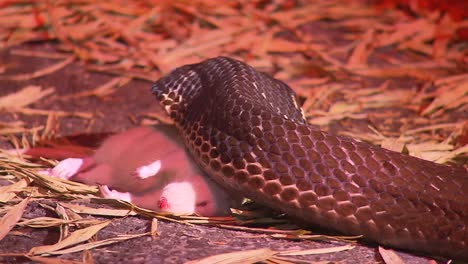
[137,42]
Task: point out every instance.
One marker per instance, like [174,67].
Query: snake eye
[202,204]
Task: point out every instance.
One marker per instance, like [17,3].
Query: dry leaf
[48,70]
[431,151]
[316,251]
[30,111]
[82,209]
[154,228]
[402,71]
[45,222]
[76,237]
[24,97]
[44,260]
[449,97]
[58,185]
[39,54]
[102,91]
[61,212]
[8,192]
[9,220]
[393,144]
[389,256]
[448,126]
[316,237]
[95,244]
[446,157]
[87,257]
[248,256]
[363,49]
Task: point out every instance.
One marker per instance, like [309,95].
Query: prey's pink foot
[66,168]
[113,194]
[149,170]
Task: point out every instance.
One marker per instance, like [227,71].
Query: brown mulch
[70,67]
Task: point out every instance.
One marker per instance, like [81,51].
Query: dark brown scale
[297,173]
[287,179]
[338,153]
[341,195]
[257,182]
[214,154]
[308,199]
[359,201]
[346,209]
[272,188]
[304,184]
[228,171]
[238,163]
[249,157]
[283,144]
[289,194]
[254,169]
[241,176]
[270,175]
[397,200]
[326,203]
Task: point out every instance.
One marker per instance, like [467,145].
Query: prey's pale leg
[113,194]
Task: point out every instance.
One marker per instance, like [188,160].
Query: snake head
[177,88]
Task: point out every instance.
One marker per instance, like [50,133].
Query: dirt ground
[176,243]
[129,105]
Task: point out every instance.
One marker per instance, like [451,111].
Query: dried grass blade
[81,209]
[76,237]
[102,90]
[249,256]
[390,257]
[45,222]
[87,257]
[39,54]
[62,213]
[58,185]
[95,244]
[44,260]
[39,73]
[316,251]
[30,111]
[452,155]
[8,192]
[363,50]
[154,228]
[9,220]
[24,97]
[449,97]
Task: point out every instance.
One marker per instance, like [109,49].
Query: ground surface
[176,243]
[340,99]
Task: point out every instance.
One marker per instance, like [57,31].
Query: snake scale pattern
[246,131]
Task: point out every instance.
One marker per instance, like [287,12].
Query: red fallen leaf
[463,138]
[462,33]
[76,146]
[456,8]
[40,22]
[59,152]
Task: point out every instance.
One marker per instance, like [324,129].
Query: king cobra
[246,131]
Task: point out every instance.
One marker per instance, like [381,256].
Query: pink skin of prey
[149,168]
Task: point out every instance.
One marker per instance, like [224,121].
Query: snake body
[245,129]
